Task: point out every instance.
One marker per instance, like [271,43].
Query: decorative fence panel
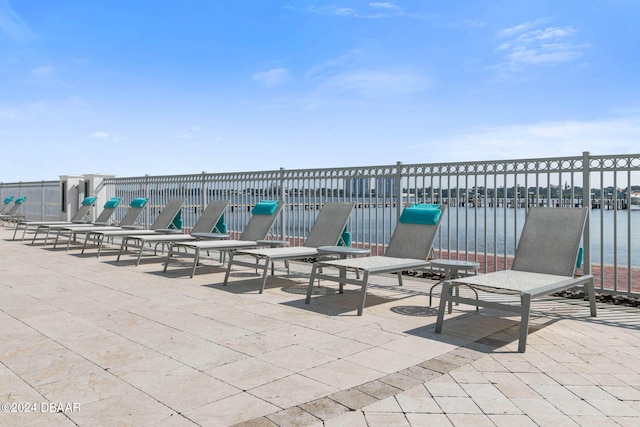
[487,204]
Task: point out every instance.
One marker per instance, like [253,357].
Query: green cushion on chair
[89,200]
[413,215]
[138,203]
[8,200]
[20,200]
[265,207]
[112,203]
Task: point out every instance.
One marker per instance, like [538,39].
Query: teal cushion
[425,206]
[345,237]
[20,200]
[138,203]
[413,215]
[89,200]
[580,256]
[220,227]
[112,203]
[8,200]
[265,207]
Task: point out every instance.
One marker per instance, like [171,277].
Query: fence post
[399,189]
[147,195]
[42,200]
[586,199]
[204,199]
[281,198]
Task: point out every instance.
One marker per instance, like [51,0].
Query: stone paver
[88,341]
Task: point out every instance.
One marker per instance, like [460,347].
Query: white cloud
[42,71]
[382,10]
[373,83]
[100,134]
[12,24]
[545,139]
[383,5]
[526,44]
[273,77]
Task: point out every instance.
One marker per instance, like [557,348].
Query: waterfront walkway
[87,341]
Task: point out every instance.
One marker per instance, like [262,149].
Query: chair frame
[254,230]
[326,231]
[395,260]
[522,281]
[207,221]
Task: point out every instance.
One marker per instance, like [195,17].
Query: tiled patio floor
[87,341]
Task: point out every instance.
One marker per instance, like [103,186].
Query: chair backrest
[329,224]
[259,225]
[135,209]
[167,214]
[108,210]
[550,241]
[210,217]
[15,207]
[83,210]
[414,240]
[5,204]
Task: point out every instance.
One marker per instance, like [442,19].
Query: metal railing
[42,198]
[487,203]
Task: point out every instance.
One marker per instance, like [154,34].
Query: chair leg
[35,234]
[226,275]
[312,280]
[446,294]
[140,253]
[196,259]
[265,273]
[122,244]
[363,293]
[589,290]
[166,261]
[15,231]
[524,322]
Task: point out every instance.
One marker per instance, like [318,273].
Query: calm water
[461,221]
[627,224]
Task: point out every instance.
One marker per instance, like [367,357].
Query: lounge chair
[12,214]
[102,220]
[128,222]
[80,217]
[544,263]
[264,215]
[409,249]
[162,224]
[5,204]
[203,228]
[326,231]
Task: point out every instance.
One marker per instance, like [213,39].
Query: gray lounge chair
[80,217]
[102,220]
[408,249]
[254,235]
[128,222]
[326,231]
[162,224]
[544,263]
[203,229]
[5,204]
[12,214]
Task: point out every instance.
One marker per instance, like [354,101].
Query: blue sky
[174,87]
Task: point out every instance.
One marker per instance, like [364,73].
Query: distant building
[357,187]
[387,187]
